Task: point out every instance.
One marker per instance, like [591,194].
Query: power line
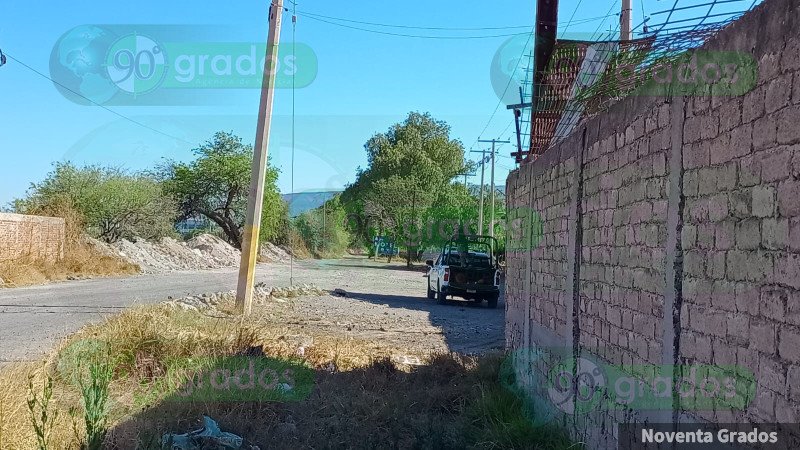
[608,14]
[389,33]
[507,127]
[573,15]
[415,27]
[510,79]
[97,104]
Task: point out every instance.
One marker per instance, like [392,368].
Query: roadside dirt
[386,302]
[383,302]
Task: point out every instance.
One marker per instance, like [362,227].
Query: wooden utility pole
[626,21]
[255,199]
[491,190]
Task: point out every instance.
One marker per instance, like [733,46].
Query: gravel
[273,253]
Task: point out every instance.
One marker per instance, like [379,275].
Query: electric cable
[419,36]
[97,104]
[573,15]
[510,79]
[414,27]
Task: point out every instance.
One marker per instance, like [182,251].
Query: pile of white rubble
[205,251]
[261,294]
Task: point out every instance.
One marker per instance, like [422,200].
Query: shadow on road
[468,327]
[365,264]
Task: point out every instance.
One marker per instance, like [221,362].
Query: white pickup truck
[466,268]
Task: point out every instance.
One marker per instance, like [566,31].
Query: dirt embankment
[92,258]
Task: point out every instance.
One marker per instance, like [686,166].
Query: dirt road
[384,302]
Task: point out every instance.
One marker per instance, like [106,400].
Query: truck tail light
[497,278]
[446,274]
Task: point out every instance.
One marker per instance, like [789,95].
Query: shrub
[111,204]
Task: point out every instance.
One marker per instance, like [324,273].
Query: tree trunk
[229,227]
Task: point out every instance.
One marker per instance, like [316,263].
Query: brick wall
[672,233]
[31,237]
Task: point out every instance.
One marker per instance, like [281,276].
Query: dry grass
[360,399]
[80,261]
[81,258]
[298,245]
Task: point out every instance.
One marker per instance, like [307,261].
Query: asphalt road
[32,319]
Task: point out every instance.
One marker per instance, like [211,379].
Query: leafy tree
[113,204]
[324,229]
[411,167]
[275,224]
[215,185]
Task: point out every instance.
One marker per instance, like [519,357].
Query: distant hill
[301,202]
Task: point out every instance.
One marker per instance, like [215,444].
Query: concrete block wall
[741,220]
[539,294]
[679,233]
[624,238]
[25,237]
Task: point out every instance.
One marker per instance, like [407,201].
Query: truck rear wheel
[492,302]
[431,294]
[441,298]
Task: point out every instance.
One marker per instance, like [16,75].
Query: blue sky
[365,82]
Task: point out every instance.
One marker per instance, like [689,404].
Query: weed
[43,421]
[73,414]
[95,404]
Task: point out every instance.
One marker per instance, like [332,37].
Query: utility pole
[255,199]
[626,21]
[480,208]
[492,190]
[491,200]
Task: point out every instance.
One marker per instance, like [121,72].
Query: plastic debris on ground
[210,437]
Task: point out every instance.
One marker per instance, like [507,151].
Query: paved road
[32,319]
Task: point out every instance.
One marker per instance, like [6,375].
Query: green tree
[411,167]
[113,203]
[216,183]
